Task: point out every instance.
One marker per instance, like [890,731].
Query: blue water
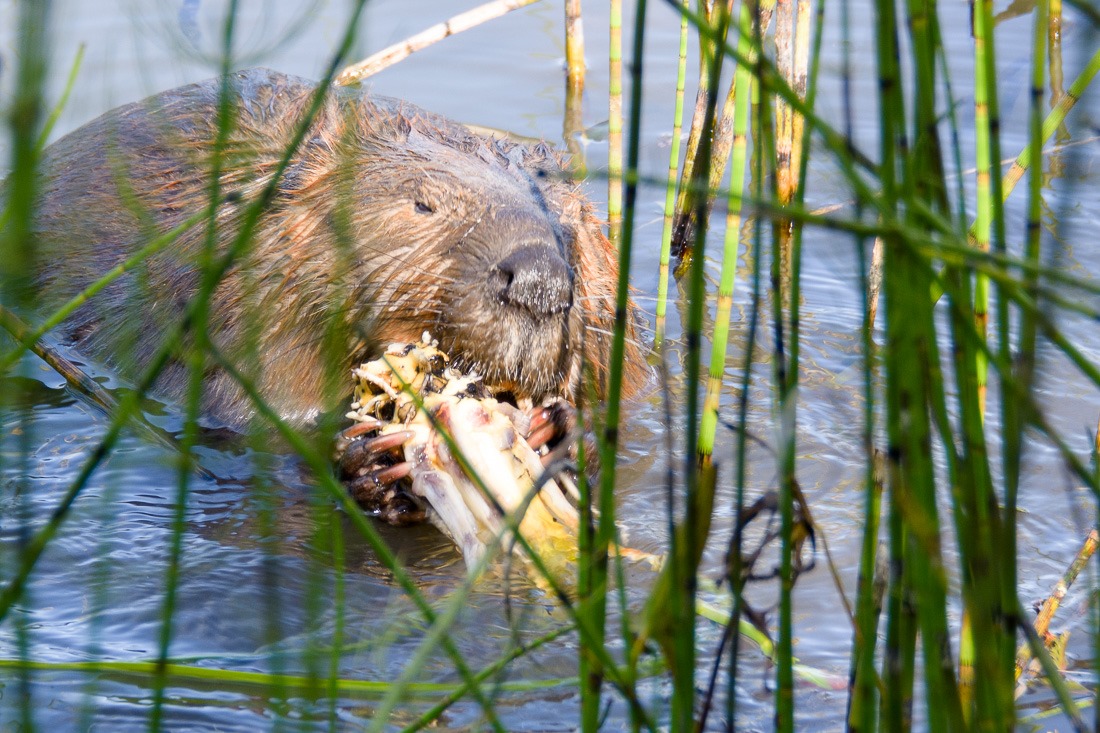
[258,584]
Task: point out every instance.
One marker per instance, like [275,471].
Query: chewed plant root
[430,442]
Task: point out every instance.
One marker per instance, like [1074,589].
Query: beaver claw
[550,424]
[372,469]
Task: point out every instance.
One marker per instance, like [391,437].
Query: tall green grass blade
[594,607]
[63,100]
[16,264]
[195,358]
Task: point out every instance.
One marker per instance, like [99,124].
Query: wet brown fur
[384,225]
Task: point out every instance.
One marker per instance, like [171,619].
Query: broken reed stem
[670,189]
[803,13]
[389,56]
[615,125]
[784,123]
[1054,600]
[573,121]
[574,44]
[683,229]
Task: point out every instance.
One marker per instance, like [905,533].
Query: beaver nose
[535,278]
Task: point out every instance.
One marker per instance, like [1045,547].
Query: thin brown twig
[389,56]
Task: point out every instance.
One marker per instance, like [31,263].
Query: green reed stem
[670,186]
[996,590]
[734,557]
[593,609]
[743,83]
[864,682]
[1014,413]
[63,100]
[261,682]
[797,148]
[898,660]
[195,358]
[687,544]
[17,254]
[989,202]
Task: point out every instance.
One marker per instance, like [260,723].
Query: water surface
[258,588]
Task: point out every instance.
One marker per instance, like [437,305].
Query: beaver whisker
[629,339]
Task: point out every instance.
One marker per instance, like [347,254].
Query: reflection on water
[258,581]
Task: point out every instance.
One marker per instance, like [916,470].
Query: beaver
[387,221]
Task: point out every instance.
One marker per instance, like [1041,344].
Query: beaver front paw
[552,424]
[373,469]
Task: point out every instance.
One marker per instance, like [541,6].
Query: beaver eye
[423,208]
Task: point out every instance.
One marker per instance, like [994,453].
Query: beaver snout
[534,278]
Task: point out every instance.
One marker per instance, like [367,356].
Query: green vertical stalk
[670,613]
[921,386]
[615,123]
[195,358]
[788,186]
[767,151]
[1014,411]
[335,533]
[594,607]
[670,186]
[743,83]
[688,543]
[984,92]
[734,566]
[17,255]
[996,663]
[898,659]
[863,690]
[590,569]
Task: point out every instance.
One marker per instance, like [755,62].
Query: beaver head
[484,245]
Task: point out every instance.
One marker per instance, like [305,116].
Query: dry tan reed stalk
[573,121]
[874,281]
[803,15]
[574,43]
[389,56]
[573,127]
[784,115]
[615,124]
[792,57]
